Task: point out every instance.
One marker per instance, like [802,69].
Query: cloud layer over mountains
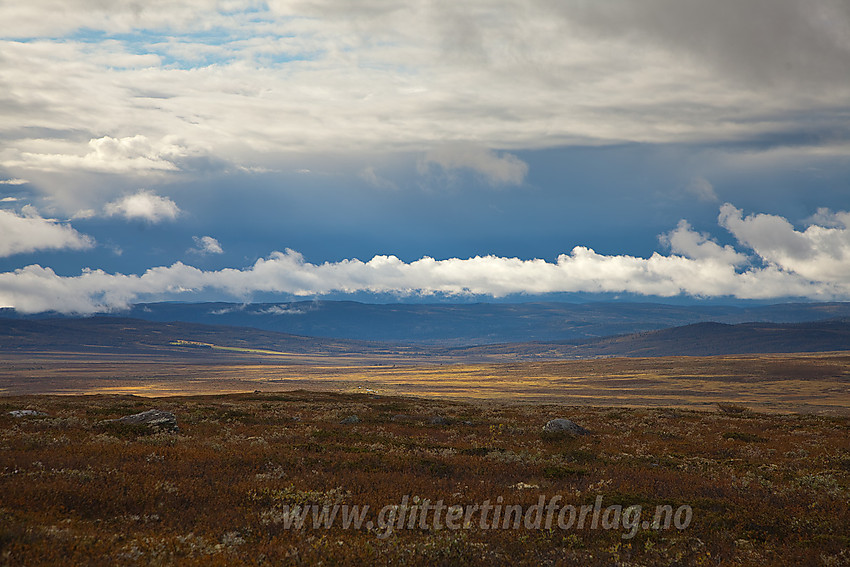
[777,261]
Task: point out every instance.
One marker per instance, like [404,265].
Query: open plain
[807,383]
[754,447]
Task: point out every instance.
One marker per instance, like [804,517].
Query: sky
[238,150]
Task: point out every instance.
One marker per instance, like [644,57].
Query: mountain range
[400,333]
[464,325]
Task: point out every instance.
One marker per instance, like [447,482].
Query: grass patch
[745,437]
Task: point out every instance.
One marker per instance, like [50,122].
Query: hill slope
[702,339]
[469,324]
[111,335]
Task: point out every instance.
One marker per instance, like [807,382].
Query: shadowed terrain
[78,489]
[129,337]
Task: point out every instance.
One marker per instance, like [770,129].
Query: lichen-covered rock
[351,419]
[438,420]
[26,413]
[153,419]
[564,425]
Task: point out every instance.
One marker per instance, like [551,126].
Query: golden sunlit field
[808,383]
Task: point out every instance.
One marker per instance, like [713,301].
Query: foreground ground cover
[75,489]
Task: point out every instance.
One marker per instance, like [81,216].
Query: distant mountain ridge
[467,324]
[712,338]
[123,336]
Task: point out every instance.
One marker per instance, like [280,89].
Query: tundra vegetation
[77,488]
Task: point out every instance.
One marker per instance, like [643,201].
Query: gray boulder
[26,413]
[153,419]
[564,425]
[438,420]
[351,419]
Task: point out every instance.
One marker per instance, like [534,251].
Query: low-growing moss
[745,437]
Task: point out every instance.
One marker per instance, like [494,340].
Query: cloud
[142,89]
[702,189]
[205,245]
[759,42]
[819,253]
[226,310]
[135,154]
[827,218]
[496,169]
[281,310]
[370,176]
[144,205]
[84,214]
[29,232]
[777,267]
[684,241]
[14,181]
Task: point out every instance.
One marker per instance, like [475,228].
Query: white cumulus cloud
[206,245]
[144,205]
[768,263]
[819,253]
[684,241]
[29,232]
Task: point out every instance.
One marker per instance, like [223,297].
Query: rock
[438,420]
[524,486]
[154,419]
[561,424]
[351,419]
[26,413]
[401,417]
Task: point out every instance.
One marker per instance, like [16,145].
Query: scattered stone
[232,539]
[401,417]
[26,413]
[438,420]
[154,419]
[733,409]
[351,419]
[670,414]
[561,424]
